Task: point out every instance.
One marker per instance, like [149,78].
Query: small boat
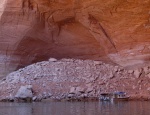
[116,96]
[105,96]
[120,96]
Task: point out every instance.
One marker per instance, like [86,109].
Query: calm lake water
[76,108]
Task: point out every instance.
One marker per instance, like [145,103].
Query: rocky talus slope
[73,79]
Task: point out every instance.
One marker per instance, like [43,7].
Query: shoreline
[75,99]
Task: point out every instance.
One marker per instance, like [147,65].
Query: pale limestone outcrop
[111,30]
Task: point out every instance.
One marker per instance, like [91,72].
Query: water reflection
[75,108]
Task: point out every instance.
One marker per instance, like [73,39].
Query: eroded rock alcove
[115,31]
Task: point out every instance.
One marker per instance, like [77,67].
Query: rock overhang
[114,30]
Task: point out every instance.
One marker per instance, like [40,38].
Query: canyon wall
[115,31]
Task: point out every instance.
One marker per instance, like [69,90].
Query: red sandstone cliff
[116,31]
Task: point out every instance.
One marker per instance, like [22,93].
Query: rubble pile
[73,79]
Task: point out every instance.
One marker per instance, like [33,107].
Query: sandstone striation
[115,31]
[73,79]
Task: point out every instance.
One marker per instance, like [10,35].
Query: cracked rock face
[111,30]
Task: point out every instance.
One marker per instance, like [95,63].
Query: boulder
[97,63]
[72,90]
[137,73]
[146,70]
[24,92]
[148,89]
[52,60]
[70,95]
[116,69]
[111,75]
[148,75]
[80,89]
[34,98]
